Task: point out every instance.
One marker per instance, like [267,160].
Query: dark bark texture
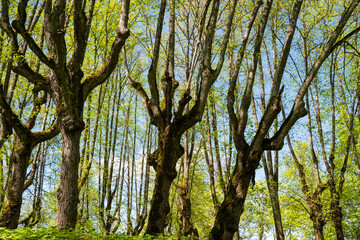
[168,152]
[11,210]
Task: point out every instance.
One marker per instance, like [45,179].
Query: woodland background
[244,99]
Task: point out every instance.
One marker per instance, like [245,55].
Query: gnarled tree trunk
[164,160]
[65,81]
[228,217]
[249,154]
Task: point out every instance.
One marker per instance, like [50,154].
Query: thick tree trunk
[336,217]
[67,193]
[11,211]
[318,230]
[316,217]
[228,216]
[164,160]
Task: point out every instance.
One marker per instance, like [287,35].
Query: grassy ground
[53,234]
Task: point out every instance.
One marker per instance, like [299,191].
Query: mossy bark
[168,152]
[10,212]
[228,217]
[68,192]
[336,216]
[186,227]
[316,216]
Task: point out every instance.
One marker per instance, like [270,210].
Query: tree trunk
[228,217]
[316,214]
[318,229]
[164,161]
[336,216]
[67,193]
[187,228]
[209,159]
[274,195]
[11,211]
[184,196]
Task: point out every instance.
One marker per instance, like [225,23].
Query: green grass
[52,233]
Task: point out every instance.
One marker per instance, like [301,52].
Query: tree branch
[100,76]
[234,76]
[246,98]
[225,39]
[155,58]
[298,110]
[154,113]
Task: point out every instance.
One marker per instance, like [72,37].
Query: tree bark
[164,160]
[228,217]
[336,216]
[11,211]
[318,221]
[186,226]
[68,192]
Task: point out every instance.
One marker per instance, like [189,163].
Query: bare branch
[286,49]
[155,58]
[246,98]
[225,39]
[298,109]
[234,77]
[100,76]
[201,29]
[154,113]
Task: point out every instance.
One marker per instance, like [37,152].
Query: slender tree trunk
[209,159]
[11,211]
[274,196]
[130,193]
[271,168]
[219,171]
[186,226]
[144,183]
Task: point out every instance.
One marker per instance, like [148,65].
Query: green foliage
[257,217]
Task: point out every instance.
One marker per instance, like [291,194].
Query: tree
[171,126]
[24,142]
[249,155]
[64,80]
